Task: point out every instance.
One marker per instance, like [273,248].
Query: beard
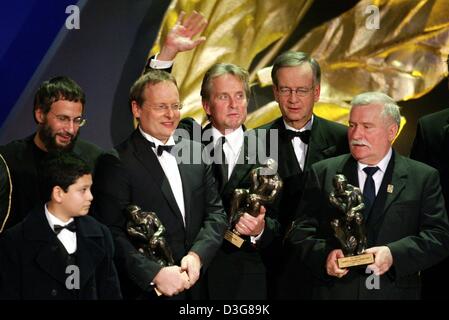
[48,137]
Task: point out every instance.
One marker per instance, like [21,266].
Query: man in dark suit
[406,222]
[302,139]
[57,252]
[431,146]
[235,273]
[159,172]
[58,112]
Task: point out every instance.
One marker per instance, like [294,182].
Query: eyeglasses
[300,92]
[66,120]
[164,107]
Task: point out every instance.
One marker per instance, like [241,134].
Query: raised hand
[180,37]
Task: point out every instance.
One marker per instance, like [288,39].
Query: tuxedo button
[54,293]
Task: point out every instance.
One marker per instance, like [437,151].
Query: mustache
[66,134]
[362,142]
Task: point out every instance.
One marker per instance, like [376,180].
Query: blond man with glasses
[183,194]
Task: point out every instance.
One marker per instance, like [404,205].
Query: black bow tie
[303,135]
[161,148]
[71,227]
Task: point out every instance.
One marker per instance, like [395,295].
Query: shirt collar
[308,125]
[157,142]
[52,219]
[234,139]
[382,165]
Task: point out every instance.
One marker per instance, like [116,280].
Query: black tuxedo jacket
[23,159]
[240,273]
[327,139]
[431,146]
[136,177]
[32,268]
[410,219]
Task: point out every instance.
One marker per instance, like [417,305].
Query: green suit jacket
[410,219]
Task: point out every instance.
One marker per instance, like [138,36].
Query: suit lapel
[219,169]
[148,159]
[288,165]
[247,160]
[392,185]
[349,169]
[187,192]
[395,176]
[185,170]
[88,254]
[38,232]
[221,174]
[51,262]
[318,148]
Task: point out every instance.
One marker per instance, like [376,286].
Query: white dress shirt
[378,176]
[67,237]
[299,146]
[170,167]
[232,147]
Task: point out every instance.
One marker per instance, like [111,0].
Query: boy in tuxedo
[58,252]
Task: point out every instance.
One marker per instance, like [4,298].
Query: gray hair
[390,108]
[220,69]
[294,59]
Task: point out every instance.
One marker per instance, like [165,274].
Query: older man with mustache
[406,222]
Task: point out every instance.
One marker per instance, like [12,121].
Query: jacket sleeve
[419,147]
[210,236]
[416,252]
[109,285]
[148,67]
[308,241]
[10,279]
[112,196]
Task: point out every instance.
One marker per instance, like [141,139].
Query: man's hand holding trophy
[349,228]
[248,203]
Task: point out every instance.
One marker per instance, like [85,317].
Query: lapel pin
[390,188]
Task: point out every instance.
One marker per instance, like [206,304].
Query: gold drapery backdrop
[237,31]
[405,57]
